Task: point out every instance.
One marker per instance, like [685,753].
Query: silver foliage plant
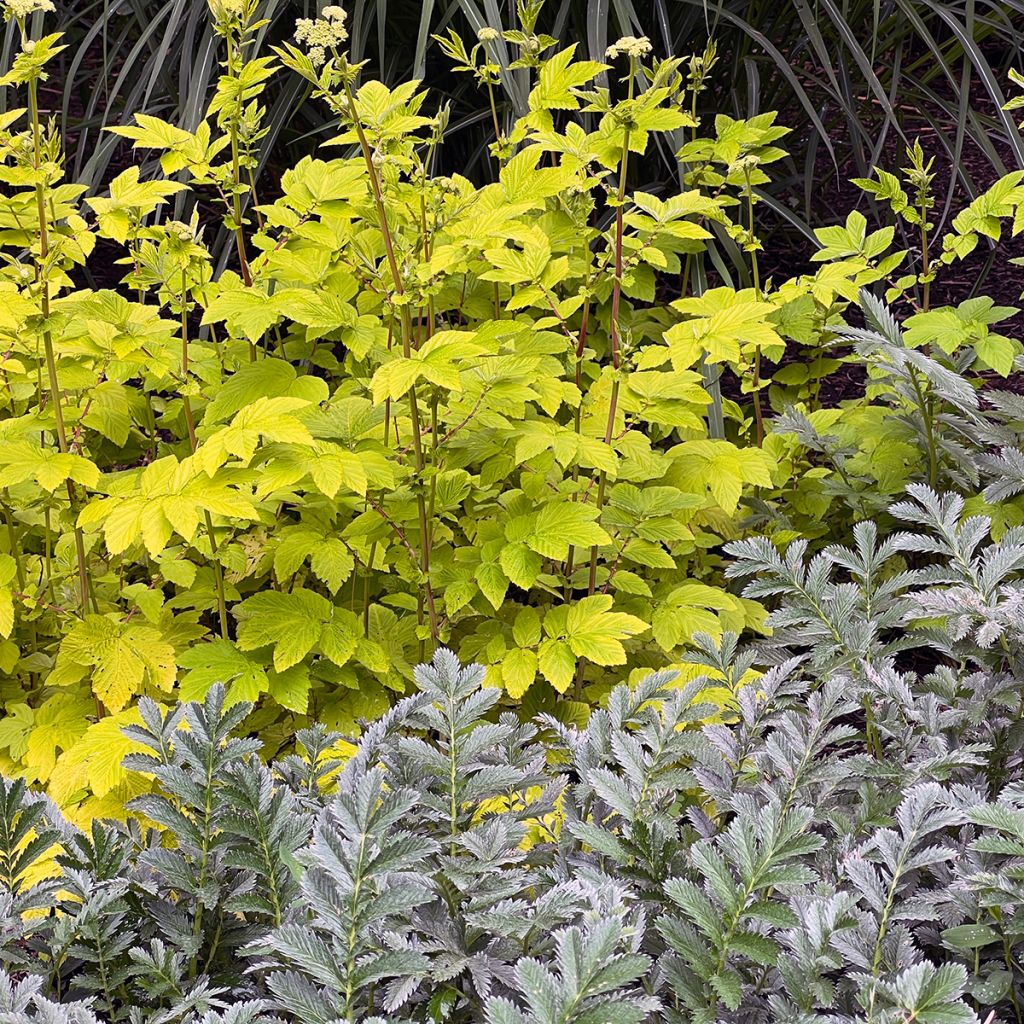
[845,844]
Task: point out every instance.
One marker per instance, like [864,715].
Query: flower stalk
[634,48]
[405,315]
[42,277]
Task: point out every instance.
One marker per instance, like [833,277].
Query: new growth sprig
[54,245]
[482,62]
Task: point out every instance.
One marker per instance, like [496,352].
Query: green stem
[925,262]
[434,466]
[373,547]
[924,403]
[406,323]
[494,112]
[614,332]
[353,932]
[755,273]
[616,353]
[190,423]
[453,779]
[581,346]
[48,555]
[12,541]
[204,859]
[236,176]
[883,927]
[51,361]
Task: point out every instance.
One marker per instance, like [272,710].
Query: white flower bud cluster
[327,32]
[487,34]
[629,46]
[227,10]
[20,9]
[745,164]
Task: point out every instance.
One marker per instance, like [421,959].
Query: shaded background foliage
[855,78]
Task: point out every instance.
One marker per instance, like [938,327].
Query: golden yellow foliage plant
[417,410]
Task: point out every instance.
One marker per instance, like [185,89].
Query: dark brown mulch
[987,271]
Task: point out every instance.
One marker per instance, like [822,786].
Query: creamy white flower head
[23,8]
[334,13]
[629,46]
[323,33]
[487,34]
[317,56]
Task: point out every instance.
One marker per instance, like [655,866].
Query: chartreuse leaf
[22,460]
[15,727]
[56,727]
[270,418]
[170,497]
[320,311]
[439,361]
[151,132]
[15,309]
[966,325]
[329,557]
[493,582]
[94,763]
[526,630]
[852,239]
[109,411]
[719,469]
[247,311]
[118,658]
[594,631]
[291,687]
[557,663]
[518,671]
[129,200]
[8,571]
[520,564]
[559,76]
[329,467]
[295,624]
[696,608]
[723,321]
[997,352]
[220,661]
[563,523]
[587,628]
[267,378]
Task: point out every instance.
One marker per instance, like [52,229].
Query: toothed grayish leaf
[1006,469]
[818,832]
